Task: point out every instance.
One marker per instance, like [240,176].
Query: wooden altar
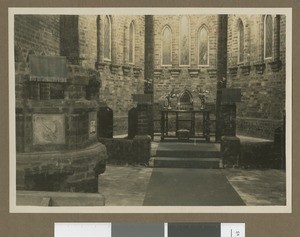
[190,118]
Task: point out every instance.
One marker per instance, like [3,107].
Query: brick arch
[211,27]
[244,20]
[132,23]
[166,26]
[186,100]
[262,37]
[180,32]
[203,26]
[100,38]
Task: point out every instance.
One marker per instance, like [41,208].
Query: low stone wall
[259,155]
[120,150]
[250,153]
[68,171]
[263,128]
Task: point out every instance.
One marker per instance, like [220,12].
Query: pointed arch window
[184,40]
[166,46]
[241,40]
[131,42]
[107,38]
[268,36]
[203,46]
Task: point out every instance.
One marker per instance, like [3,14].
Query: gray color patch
[194,230]
[137,230]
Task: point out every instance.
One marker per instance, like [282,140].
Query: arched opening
[203,46]
[166,46]
[184,48]
[241,40]
[107,38]
[185,101]
[131,43]
[268,36]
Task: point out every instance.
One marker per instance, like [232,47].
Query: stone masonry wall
[120,79]
[87,26]
[36,33]
[262,81]
[189,77]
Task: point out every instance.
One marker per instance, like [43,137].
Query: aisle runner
[190,187]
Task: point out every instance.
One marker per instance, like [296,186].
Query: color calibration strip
[149,229]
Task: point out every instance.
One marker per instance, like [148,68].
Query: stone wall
[180,77]
[120,79]
[36,34]
[87,27]
[262,81]
[72,171]
[125,151]
[56,114]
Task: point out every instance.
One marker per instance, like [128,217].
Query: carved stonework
[100,66]
[175,72]
[233,71]
[114,68]
[212,72]
[137,71]
[260,68]
[275,65]
[245,69]
[194,73]
[157,72]
[48,129]
[126,70]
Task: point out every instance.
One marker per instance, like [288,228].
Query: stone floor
[258,187]
[127,185]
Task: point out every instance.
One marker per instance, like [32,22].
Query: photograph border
[151,209]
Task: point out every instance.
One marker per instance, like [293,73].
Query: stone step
[188,150]
[188,154]
[176,162]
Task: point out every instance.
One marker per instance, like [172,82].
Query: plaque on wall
[48,129]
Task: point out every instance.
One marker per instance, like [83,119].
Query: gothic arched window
[268,36]
[241,45]
[184,41]
[131,42]
[166,46]
[107,38]
[203,46]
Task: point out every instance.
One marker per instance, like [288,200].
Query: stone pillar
[230,144]
[221,68]
[144,113]
[142,141]
[69,43]
[144,119]
[149,54]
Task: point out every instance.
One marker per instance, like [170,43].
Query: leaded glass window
[241,42]
[166,46]
[131,42]
[268,36]
[184,41]
[203,46]
[107,38]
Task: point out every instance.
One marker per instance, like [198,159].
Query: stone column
[230,144]
[221,69]
[69,43]
[149,54]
